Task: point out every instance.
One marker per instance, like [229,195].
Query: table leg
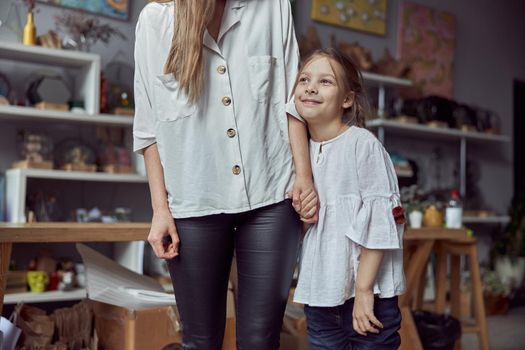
[413,270]
[441,280]
[5,258]
[408,332]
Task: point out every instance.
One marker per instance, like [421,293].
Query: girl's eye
[326,82]
[303,80]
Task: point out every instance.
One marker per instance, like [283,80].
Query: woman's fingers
[157,242]
[309,202]
[357,327]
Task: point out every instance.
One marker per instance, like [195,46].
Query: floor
[505,332]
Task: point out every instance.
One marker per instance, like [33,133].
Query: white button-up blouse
[358,189]
[229,152]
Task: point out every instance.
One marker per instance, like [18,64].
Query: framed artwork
[118,9]
[364,15]
[427,40]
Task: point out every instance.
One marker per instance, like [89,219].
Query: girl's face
[318,97]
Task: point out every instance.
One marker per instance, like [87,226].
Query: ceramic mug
[415,218]
[37,281]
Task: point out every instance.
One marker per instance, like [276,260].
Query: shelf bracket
[463,168]
[381,101]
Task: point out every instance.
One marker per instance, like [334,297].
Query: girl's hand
[163,236]
[305,200]
[363,316]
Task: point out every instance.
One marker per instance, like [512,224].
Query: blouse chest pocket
[171,102]
[263,75]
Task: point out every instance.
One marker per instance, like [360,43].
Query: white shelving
[423,131]
[84,69]
[87,79]
[373,79]
[381,82]
[17,113]
[486,220]
[426,131]
[45,297]
[17,185]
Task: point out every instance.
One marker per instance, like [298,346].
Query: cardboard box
[120,328]
[294,342]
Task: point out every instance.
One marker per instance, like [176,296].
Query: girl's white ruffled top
[358,189]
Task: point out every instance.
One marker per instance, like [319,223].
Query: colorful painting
[427,41]
[118,9]
[364,15]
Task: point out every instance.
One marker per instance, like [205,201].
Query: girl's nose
[310,89]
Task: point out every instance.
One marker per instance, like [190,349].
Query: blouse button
[226,101]
[236,170]
[231,133]
[221,69]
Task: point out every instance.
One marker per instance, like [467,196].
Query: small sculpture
[388,65]
[359,54]
[310,42]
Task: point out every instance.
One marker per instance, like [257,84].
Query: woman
[211,82]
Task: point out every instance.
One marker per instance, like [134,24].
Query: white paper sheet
[111,283]
[10,334]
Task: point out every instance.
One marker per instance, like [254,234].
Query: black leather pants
[265,242]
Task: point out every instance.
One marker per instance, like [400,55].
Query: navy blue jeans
[330,328]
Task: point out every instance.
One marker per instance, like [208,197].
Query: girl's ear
[348,101]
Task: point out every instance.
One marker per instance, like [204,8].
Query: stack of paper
[111,283]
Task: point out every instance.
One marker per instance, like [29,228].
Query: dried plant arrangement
[86,30]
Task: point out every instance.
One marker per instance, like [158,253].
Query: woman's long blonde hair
[185,60]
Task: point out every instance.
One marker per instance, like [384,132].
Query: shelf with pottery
[17,185]
[87,79]
[426,132]
[381,82]
[413,130]
[17,113]
[44,297]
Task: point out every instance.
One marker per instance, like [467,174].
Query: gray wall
[490,54]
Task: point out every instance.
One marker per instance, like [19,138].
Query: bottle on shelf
[454,211]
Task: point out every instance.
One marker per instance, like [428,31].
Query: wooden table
[62,232]
[419,243]
[415,259]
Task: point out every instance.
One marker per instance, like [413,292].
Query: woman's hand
[363,316]
[162,229]
[305,200]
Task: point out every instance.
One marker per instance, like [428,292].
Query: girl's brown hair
[185,58]
[349,77]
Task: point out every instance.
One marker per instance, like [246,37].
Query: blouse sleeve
[144,120]
[291,56]
[374,225]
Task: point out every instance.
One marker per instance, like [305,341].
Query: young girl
[352,263]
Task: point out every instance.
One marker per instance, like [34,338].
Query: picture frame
[115,9]
[367,16]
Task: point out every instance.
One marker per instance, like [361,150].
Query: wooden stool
[455,249]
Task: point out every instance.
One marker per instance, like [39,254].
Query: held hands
[363,316]
[162,229]
[305,200]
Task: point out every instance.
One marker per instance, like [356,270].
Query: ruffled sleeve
[367,218]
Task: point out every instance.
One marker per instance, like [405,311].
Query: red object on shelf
[53,281]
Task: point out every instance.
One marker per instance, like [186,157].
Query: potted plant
[509,251]
[495,293]
[411,199]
